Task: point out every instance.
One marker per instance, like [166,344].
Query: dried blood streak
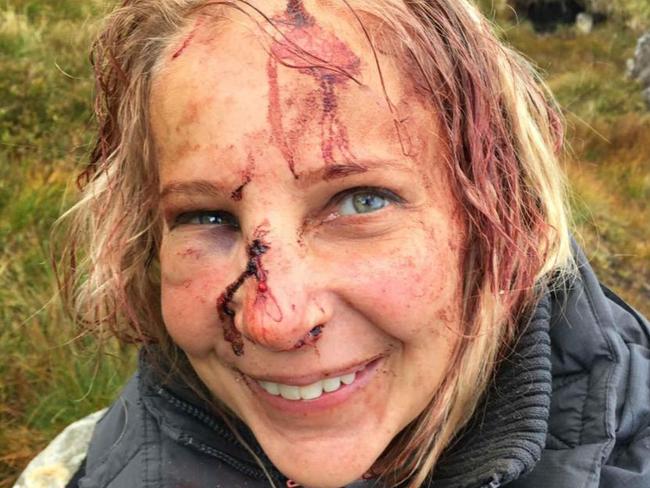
[254,267]
[264,297]
[247,175]
[186,42]
[306,46]
[237,192]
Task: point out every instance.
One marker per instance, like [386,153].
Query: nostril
[311,338]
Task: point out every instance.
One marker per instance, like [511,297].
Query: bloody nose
[274,304]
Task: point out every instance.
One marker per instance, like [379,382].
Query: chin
[327,470]
[325,459]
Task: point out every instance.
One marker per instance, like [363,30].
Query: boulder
[584,23]
[59,461]
[546,15]
[639,66]
[598,7]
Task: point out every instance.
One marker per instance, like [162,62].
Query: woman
[338,232]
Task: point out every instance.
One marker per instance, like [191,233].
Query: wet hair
[503,134]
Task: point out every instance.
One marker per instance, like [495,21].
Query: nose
[277,305]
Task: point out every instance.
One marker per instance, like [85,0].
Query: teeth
[312,391]
[348,378]
[309,392]
[272,388]
[290,392]
[331,384]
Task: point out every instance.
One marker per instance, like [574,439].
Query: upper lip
[308,379]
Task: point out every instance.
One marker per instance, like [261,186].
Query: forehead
[289,75]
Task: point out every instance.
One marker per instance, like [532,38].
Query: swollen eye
[362,202]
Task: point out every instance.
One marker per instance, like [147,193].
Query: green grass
[50,378]
[608,159]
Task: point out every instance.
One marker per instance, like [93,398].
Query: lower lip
[325,401]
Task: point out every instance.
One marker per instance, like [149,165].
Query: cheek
[409,291]
[186,256]
[191,282]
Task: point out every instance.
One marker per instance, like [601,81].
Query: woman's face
[311,253]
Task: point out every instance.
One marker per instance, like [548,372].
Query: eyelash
[384,193]
[186,218]
[229,220]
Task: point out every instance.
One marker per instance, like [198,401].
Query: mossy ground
[51,377]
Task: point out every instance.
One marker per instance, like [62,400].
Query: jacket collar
[506,436]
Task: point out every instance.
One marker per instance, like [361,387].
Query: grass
[608,160]
[50,378]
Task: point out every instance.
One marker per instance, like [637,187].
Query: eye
[366,200]
[207,217]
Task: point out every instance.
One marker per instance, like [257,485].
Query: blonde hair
[503,132]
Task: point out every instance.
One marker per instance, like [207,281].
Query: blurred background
[50,375]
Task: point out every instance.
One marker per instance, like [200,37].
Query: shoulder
[117,442]
[628,463]
[599,424]
[94,451]
[90,451]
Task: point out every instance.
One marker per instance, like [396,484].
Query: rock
[584,23]
[598,7]
[646,96]
[58,462]
[546,15]
[639,66]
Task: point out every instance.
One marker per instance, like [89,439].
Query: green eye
[207,217]
[362,202]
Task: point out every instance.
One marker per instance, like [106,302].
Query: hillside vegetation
[52,376]
[49,375]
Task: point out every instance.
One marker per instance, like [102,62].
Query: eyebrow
[343,170]
[194,187]
[306,178]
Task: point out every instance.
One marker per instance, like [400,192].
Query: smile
[312,394]
[309,392]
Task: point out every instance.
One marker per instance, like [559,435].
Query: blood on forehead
[297,13]
[304,45]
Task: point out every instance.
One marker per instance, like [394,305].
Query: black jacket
[570,408]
